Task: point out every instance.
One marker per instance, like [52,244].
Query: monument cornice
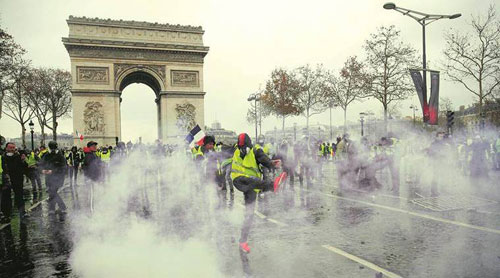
[86,92]
[134,45]
[128,53]
[135,24]
[182,94]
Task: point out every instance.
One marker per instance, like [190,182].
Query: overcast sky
[247,40]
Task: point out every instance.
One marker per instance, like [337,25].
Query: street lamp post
[331,130]
[32,127]
[414,108]
[423,19]
[362,120]
[295,132]
[255,97]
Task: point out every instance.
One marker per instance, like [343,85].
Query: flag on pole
[78,135]
[416,76]
[434,99]
[195,135]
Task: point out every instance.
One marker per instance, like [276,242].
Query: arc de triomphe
[107,55]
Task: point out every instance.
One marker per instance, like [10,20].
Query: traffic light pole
[450,121]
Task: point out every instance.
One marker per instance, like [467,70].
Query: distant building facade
[221,135]
[63,140]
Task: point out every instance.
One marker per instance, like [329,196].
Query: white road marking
[382,195]
[366,263]
[439,219]
[262,216]
[276,222]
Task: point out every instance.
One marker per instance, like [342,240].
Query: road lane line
[276,222]
[262,216]
[439,219]
[366,263]
[382,195]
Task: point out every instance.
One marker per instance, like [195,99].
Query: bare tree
[387,61]
[37,89]
[57,96]
[10,55]
[473,60]
[281,95]
[311,96]
[445,104]
[352,84]
[15,99]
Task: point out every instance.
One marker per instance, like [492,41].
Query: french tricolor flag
[79,135]
[195,135]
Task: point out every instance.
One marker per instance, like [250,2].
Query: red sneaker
[278,180]
[244,247]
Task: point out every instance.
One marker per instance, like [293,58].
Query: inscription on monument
[92,75]
[93,117]
[182,78]
[139,34]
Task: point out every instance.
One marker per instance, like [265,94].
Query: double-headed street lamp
[32,128]
[423,19]
[255,97]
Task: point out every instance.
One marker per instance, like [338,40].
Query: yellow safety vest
[267,148]
[246,167]
[31,159]
[42,153]
[105,157]
[321,150]
[196,152]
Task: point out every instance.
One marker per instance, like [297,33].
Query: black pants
[36,181]
[291,175]
[248,186]
[17,187]
[53,184]
[73,174]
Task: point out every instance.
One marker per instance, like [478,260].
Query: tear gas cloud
[156,215]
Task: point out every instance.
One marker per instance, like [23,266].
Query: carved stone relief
[92,75]
[185,78]
[186,116]
[93,117]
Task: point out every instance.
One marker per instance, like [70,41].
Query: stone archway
[108,55]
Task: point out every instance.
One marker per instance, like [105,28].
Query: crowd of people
[251,168]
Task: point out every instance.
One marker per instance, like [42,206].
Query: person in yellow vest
[197,153]
[105,156]
[42,152]
[32,159]
[247,178]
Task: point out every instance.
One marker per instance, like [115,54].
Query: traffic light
[450,118]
